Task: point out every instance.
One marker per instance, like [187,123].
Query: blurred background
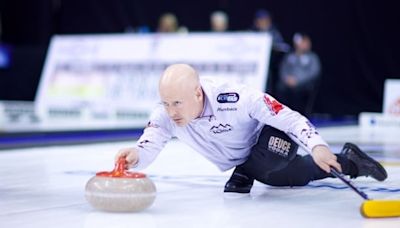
[357,41]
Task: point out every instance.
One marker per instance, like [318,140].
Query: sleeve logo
[273,105]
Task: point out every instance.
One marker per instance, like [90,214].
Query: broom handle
[337,174]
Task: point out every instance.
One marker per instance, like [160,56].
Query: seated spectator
[168,23]
[219,21]
[299,71]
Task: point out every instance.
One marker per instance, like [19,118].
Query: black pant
[274,161]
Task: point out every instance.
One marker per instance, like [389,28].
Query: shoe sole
[365,156]
[236,191]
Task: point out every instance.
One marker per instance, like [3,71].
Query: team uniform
[242,127]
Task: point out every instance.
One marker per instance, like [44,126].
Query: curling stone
[120,190]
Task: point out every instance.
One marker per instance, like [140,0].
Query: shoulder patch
[273,105]
[228,97]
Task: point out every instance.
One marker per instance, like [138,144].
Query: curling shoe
[239,182]
[366,165]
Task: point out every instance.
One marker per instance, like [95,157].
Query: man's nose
[171,111]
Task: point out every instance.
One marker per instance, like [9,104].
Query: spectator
[263,23]
[219,21]
[168,23]
[299,71]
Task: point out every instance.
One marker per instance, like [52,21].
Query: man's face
[263,23]
[303,45]
[182,105]
[218,25]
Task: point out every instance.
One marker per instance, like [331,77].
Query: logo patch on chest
[221,128]
[227,109]
[228,98]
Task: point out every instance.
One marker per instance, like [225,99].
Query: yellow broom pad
[380,208]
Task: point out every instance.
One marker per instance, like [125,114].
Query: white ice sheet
[44,187]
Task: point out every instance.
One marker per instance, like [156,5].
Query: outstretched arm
[156,134]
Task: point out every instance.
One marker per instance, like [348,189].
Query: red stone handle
[120,171]
[120,166]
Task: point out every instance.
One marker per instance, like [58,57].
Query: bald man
[236,126]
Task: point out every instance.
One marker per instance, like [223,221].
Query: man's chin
[180,123]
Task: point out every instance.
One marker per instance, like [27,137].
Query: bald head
[179,75]
[181,93]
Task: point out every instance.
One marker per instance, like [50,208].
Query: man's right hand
[131,156]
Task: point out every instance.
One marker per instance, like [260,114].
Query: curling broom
[372,208]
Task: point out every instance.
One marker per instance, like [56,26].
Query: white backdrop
[391,102]
[103,77]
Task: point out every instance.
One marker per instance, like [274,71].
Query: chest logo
[227,109]
[228,98]
[221,128]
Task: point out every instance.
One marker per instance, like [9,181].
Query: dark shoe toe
[366,165]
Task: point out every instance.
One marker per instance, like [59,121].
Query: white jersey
[232,119]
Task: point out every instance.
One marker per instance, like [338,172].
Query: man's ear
[199,93]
